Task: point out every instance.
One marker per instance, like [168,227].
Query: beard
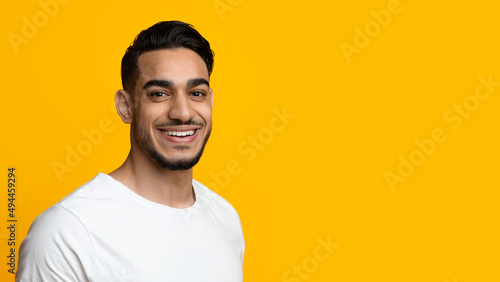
[144,141]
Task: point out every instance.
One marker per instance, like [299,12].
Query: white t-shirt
[103,231]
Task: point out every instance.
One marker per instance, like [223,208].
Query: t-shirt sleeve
[57,248]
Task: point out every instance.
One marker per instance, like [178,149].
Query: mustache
[178,122]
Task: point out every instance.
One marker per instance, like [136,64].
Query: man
[148,220]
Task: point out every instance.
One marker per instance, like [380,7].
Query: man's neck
[146,178]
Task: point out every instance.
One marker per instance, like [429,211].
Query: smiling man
[148,220]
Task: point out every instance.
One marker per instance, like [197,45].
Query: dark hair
[163,35]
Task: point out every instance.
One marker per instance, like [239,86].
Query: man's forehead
[174,62]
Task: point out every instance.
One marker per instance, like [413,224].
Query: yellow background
[319,177]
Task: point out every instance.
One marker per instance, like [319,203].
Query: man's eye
[197,93]
[158,94]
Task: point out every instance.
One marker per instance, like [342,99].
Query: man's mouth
[179,133]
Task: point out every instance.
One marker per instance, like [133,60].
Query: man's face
[172,116]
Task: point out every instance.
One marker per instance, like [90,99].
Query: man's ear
[124,106]
[211,93]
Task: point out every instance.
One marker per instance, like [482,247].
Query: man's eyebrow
[193,82]
[158,82]
[197,81]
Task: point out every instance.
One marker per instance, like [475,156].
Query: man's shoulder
[66,215]
[56,243]
[225,212]
[214,201]
[210,195]
[58,239]
[55,217]
[95,191]
[63,217]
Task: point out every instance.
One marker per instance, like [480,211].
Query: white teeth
[179,133]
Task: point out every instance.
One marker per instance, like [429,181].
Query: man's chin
[179,163]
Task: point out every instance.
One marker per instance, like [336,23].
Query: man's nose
[180,108]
